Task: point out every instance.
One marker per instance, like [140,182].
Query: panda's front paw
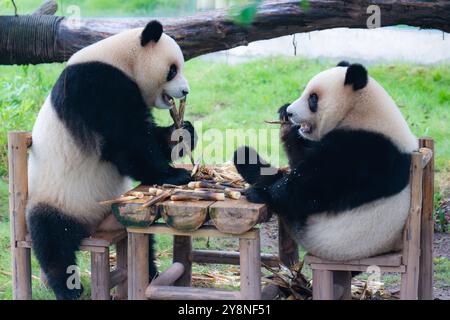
[177,177]
[192,135]
[282,112]
[255,195]
[68,294]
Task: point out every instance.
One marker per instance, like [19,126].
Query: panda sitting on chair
[94,132]
[349,148]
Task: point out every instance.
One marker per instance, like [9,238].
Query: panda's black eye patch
[313,102]
[172,72]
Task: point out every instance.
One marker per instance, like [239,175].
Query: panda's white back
[63,176]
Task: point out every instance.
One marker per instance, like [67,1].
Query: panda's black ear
[152,32]
[343,64]
[356,76]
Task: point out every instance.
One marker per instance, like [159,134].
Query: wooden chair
[102,280]
[414,262]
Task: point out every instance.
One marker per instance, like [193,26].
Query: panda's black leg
[56,238]
[152,269]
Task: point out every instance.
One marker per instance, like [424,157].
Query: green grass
[229,97]
[105,8]
[118,8]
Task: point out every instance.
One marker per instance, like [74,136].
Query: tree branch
[211,31]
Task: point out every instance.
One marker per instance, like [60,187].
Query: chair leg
[409,287]
[323,288]
[100,281]
[250,265]
[122,263]
[21,274]
[182,252]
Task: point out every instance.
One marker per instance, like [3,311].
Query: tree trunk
[43,39]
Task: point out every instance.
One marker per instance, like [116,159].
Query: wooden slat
[236,216]
[104,239]
[354,267]
[427,226]
[98,239]
[389,260]
[205,231]
[411,241]
[230,257]
[18,196]
[187,293]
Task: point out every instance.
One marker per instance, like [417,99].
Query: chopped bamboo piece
[172,186]
[236,195]
[277,122]
[137,194]
[159,198]
[206,185]
[155,191]
[185,198]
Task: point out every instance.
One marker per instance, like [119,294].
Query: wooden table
[228,215]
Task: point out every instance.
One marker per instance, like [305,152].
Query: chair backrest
[18,144]
[412,234]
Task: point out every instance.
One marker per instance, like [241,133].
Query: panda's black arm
[142,159]
[345,170]
[168,139]
[294,144]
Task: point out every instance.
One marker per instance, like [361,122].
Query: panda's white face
[159,72]
[322,105]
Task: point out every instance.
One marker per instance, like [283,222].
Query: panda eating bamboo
[94,132]
[349,148]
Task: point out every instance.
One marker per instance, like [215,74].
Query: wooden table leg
[250,261]
[138,277]
[287,247]
[182,253]
[122,264]
[100,287]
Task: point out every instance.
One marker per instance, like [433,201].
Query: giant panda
[347,195]
[93,135]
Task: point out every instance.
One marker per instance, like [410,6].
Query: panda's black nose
[185,92]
